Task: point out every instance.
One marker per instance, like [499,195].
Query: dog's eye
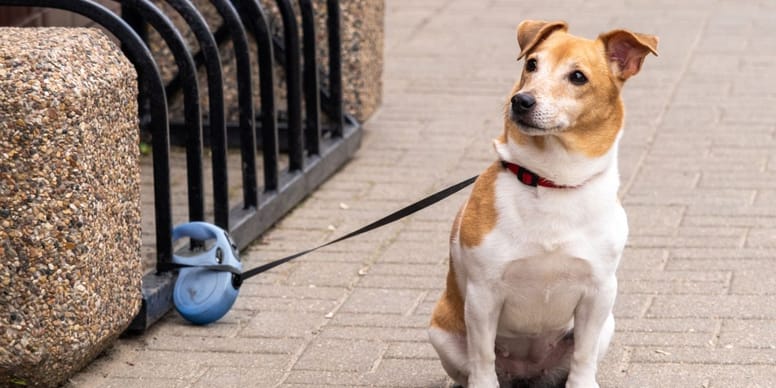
[530,65]
[577,78]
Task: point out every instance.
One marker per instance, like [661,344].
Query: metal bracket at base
[157,300]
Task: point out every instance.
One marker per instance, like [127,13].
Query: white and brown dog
[534,250]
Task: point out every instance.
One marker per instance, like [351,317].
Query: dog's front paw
[483,381]
[581,382]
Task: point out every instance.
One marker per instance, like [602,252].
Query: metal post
[311,87]
[335,66]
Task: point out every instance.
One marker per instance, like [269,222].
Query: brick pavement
[696,299]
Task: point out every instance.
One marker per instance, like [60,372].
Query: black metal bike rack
[314,151]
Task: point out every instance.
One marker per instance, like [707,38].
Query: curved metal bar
[191,112]
[215,88]
[244,99]
[311,87]
[293,85]
[254,16]
[148,80]
[335,65]
[175,83]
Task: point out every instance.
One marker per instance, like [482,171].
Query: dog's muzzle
[523,112]
[522,103]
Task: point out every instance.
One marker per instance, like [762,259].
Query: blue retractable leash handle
[203,294]
[209,281]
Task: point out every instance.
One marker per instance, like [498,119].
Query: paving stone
[283,324]
[631,305]
[386,334]
[719,253]
[658,375]
[434,228]
[362,253]
[757,377]
[414,373]
[667,325]
[674,180]
[746,180]
[614,365]
[704,355]
[260,303]
[177,326]
[395,192]
[341,355]
[672,287]
[323,378]
[381,300]
[658,217]
[426,308]
[439,233]
[294,292]
[642,258]
[377,238]
[698,231]
[195,362]
[687,276]
[748,333]
[766,197]
[280,237]
[695,339]
[717,264]
[685,242]
[755,281]
[380,320]
[325,274]
[732,211]
[416,253]
[213,343]
[658,196]
[692,115]
[410,350]
[717,306]
[410,270]
[761,238]
[237,377]
[402,282]
[122,382]
[176,367]
[730,221]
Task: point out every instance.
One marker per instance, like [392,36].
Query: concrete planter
[69,201]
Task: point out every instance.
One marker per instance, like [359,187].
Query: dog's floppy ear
[532,32]
[626,51]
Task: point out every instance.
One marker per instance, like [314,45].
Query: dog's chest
[549,251]
[541,292]
[586,222]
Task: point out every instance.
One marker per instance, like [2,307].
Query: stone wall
[69,201]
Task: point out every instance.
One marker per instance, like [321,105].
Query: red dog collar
[529,178]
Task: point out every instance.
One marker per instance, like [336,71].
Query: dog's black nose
[522,103]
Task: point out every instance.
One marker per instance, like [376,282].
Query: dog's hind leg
[607,331]
[452,353]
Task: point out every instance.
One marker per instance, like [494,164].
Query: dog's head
[570,86]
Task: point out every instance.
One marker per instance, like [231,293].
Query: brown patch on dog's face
[570,87]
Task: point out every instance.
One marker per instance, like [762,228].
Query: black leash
[395,216]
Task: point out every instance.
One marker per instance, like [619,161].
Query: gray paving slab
[699,180]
